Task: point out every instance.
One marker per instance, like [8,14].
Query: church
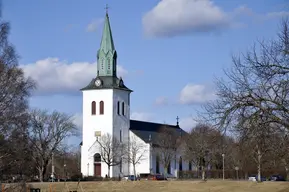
[106,110]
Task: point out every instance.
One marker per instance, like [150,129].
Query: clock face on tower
[98,82]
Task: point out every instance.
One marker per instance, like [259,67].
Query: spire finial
[177,120]
[106,9]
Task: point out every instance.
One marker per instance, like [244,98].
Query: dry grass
[170,186]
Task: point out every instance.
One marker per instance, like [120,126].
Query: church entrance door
[97,169]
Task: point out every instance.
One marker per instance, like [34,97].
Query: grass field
[170,186]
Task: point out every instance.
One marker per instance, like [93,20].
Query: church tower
[106,109]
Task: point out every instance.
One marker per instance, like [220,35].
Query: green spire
[107,40]
[106,77]
[106,55]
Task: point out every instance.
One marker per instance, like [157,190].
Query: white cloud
[195,94]
[94,25]
[161,101]
[278,14]
[187,123]
[173,17]
[178,17]
[55,76]
[141,116]
[243,10]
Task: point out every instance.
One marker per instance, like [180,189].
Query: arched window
[122,108]
[101,107]
[97,157]
[157,164]
[118,108]
[93,108]
[180,164]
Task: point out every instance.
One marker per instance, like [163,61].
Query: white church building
[106,109]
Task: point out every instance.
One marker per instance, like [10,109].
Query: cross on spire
[177,120]
[106,8]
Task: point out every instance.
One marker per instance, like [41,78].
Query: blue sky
[169,51]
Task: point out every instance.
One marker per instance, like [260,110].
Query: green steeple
[107,40]
[106,77]
[106,55]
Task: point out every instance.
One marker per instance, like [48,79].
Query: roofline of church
[156,123]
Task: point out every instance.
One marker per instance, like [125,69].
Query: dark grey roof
[108,82]
[148,131]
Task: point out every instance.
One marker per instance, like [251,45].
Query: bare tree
[242,157]
[47,132]
[15,91]
[166,144]
[280,147]
[111,150]
[135,152]
[258,83]
[201,147]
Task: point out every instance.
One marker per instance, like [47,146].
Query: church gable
[148,131]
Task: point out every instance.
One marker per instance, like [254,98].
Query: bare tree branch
[111,150]
[135,152]
[46,134]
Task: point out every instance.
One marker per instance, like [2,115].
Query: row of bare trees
[253,103]
[205,147]
[28,137]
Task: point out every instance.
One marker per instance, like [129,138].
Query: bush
[111,179]
[76,177]
[92,178]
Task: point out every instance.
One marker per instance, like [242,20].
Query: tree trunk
[246,175]
[40,173]
[108,171]
[44,171]
[134,172]
[287,172]
[203,173]
[165,170]
[259,164]
[286,168]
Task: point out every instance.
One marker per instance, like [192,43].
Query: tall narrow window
[108,64]
[122,108]
[101,107]
[120,136]
[118,106]
[93,108]
[157,164]
[180,164]
[120,165]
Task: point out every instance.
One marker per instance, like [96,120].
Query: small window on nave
[120,136]
[123,112]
